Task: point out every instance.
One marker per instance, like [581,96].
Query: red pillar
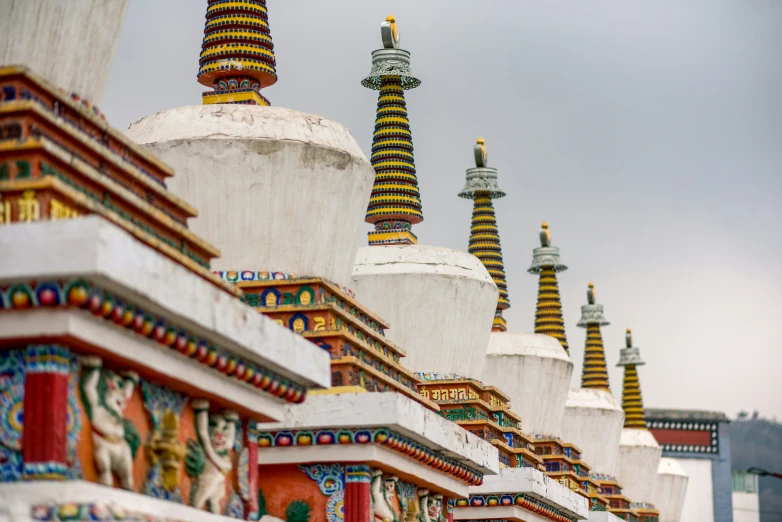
[358,507]
[45,438]
[251,505]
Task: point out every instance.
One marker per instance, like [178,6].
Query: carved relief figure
[209,459]
[382,511]
[115,439]
[435,507]
[423,505]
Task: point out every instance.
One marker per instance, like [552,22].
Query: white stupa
[85,51]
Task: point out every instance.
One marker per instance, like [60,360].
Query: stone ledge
[399,414]
[102,253]
[534,483]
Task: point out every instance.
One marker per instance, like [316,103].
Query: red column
[45,438]
[251,505]
[358,507]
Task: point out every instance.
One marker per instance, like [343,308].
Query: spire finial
[591,294]
[389,32]
[481,158]
[482,187]
[629,338]
[395,203]
[237,54]
[545,235]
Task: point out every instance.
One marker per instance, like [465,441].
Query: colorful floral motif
[86,295]
[393,441]
[14,366]
[331,481]
[521,500]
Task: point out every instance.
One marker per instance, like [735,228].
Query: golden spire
[632,402]
[545,263]
[482,188]
[395,202]
[595,372]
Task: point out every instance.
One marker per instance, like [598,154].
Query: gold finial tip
[544,225]
[390,18]
[629,331]
[480,141]
[591,285]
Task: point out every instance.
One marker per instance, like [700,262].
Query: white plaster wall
[593,421]
[638,463]
[440,304]
[70,43]
[276,189]
[534,370]
[699,500]
[746,507]
[670,490]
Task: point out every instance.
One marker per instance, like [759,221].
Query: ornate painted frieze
[382,436]
[521,500]
[82,294]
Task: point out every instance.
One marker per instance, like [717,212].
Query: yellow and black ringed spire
[395,203]
[595,371]
[237,54]
[548,313]
[632,402]
[482,188]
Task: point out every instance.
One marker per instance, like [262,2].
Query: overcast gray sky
[648,135]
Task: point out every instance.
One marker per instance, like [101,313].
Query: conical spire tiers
[632,402]
[482,187]
[237,54]
[548,313]
[595,370]
[395,203]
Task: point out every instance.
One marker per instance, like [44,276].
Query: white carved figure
[423,505]
[435,507]
[382,511]
[115,439]
[209,459]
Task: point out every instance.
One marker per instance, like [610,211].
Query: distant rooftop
[686,415]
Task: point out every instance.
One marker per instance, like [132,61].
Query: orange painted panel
[284,483]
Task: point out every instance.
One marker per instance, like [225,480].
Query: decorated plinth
[484,411]
[330,317]
[563,462]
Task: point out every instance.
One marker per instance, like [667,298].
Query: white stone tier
[638,462]
[70,43]
[440,304]
[528,481]
[91,248]
[276,189]
[534,370]
[17,501]
[391,410]
[670,490]
[593,421]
